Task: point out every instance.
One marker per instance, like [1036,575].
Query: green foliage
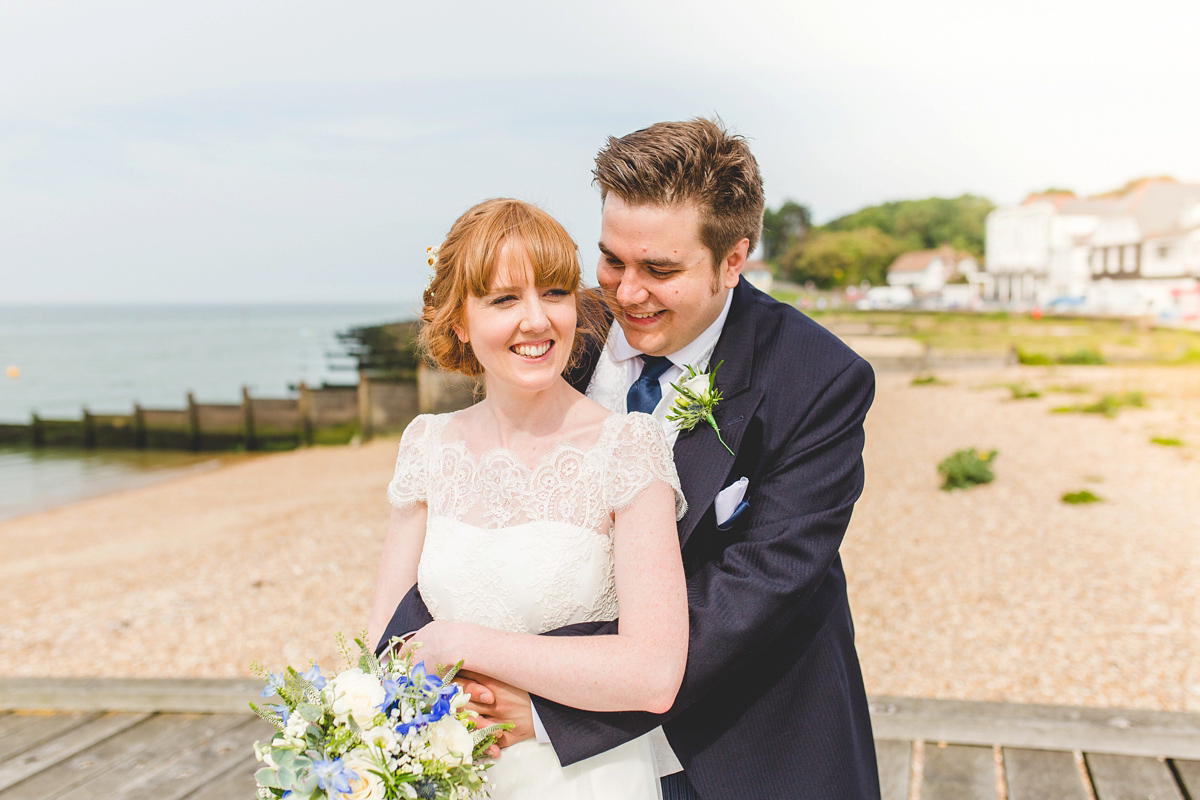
[838,258]
[1084,355]
[929,380]
[783,228]
[1020,392]
[966,468]
[1167,441]
[1082,496]
[925,224]
[1108,405]
[388,351]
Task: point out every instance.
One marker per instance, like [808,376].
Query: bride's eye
[557,293]
[503,299]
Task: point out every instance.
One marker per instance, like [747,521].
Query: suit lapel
[702,462]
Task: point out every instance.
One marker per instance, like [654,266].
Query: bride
[536,508]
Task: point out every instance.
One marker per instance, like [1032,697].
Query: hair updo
[466,264]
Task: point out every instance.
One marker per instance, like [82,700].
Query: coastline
[45,480]
[1001,592]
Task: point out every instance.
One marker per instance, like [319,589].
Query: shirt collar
[690,353]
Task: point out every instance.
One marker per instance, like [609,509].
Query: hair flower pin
[432,255]
[698,397]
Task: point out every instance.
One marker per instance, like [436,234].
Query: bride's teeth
[643,316]
[531,351]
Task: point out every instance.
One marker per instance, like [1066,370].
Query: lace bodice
[518,547]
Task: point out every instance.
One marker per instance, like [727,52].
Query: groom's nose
[631,291]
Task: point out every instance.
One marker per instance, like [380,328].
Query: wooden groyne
[321,415]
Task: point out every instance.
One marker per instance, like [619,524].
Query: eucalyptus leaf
[268,777]
[311,712]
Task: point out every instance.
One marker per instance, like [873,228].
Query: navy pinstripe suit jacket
[772,703]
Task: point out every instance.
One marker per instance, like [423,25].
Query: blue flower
[334,775]
[391,693]
[313,676]
[274,684]
[282,711]
[428,681]
[440,709]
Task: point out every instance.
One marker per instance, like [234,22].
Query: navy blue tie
[646,391]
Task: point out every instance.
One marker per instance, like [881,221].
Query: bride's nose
[534,319]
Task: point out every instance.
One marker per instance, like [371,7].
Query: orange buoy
[13,372]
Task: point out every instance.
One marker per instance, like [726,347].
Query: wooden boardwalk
[190,740]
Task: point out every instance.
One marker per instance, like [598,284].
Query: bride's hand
[443,643]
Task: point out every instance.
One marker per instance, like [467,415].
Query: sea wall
[321,415]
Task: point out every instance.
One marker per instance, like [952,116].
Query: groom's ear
[733,264]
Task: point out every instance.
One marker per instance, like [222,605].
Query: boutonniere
[698,396]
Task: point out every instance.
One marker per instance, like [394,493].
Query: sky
[247,151]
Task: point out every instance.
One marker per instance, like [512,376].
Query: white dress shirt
[617,369]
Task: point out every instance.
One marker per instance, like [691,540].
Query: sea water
[57,360]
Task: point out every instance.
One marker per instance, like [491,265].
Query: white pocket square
[729,500]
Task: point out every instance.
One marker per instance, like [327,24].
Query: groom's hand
[495,701]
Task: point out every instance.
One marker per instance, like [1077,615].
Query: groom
[772,704]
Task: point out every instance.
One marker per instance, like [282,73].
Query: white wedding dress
[529,549]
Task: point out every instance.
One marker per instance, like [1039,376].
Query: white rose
[450,741]
[356,694]
[697,384]
[368,785]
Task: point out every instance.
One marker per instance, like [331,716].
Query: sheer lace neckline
[608,427]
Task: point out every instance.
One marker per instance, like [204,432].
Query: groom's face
[659,277]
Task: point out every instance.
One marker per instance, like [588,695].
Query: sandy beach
[1000,592]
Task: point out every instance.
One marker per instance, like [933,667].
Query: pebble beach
[999,592]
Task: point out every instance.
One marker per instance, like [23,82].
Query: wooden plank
[237,782]
[200,695]
[958,772]
[201,764]
[113,754]
[895,768]
[64,746]
[1131,778]
[35,729]
[143,767]
[1093,730]
[1189,775]
[1041,774]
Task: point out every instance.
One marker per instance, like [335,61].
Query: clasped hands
[492,700]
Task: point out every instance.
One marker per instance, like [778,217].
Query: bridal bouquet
[376,731]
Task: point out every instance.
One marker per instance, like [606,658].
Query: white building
[944,274]
[1133,252]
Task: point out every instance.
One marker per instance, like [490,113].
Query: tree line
[861,246]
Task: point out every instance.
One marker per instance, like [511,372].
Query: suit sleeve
[742,599]
[411,615]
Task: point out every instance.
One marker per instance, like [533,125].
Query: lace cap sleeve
[408,485]
[640,456]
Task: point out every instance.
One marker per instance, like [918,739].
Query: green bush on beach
[1077,498]
[1084,355]
[1166,441]
[966,468]
[1020,392]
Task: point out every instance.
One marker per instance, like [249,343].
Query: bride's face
[521,333]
